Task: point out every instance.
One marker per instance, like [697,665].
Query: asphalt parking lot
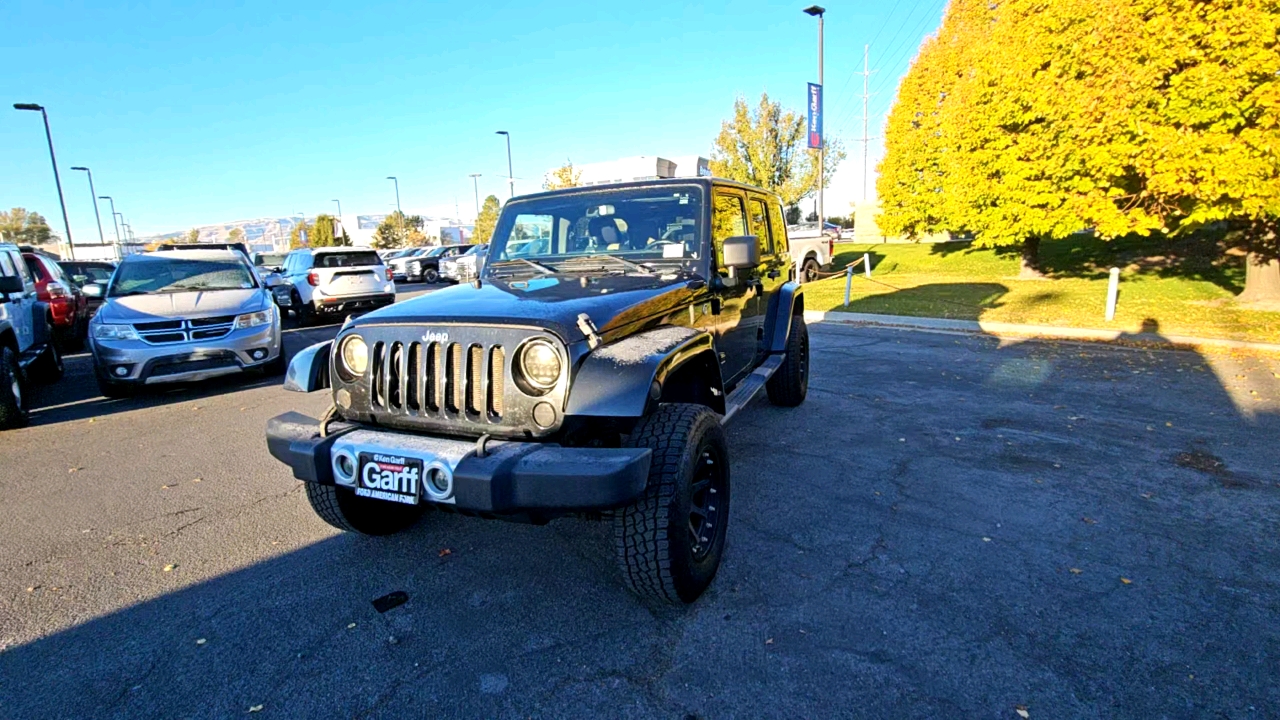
[951,526]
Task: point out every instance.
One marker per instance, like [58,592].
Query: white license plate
[384,476]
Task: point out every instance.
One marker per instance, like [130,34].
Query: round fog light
[346,467]
[121,371]
[259,354]
[439,480]
[544,414]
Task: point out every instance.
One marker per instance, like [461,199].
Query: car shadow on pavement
[76,396]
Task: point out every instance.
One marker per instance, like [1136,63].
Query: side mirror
[11,284]
[93,290]
[742,252]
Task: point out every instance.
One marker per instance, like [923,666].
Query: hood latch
[588,329]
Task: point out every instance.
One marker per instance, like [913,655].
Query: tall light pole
[93,196]
[71,250]
[818,12]
[399,212]
[109,199]
[511,178]
[476,184]
[339,207]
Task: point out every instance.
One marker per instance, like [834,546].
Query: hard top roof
[705,182]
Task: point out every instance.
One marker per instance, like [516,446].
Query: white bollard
[866,264]
[1113,291]
[848,282]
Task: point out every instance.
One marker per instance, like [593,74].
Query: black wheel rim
[706,503]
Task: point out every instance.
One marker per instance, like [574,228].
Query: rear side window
[761,225]
[355,258]
[6,265]
[779,228]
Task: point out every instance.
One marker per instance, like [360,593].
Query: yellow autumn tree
[565,176]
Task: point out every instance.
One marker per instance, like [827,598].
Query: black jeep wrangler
[588,370]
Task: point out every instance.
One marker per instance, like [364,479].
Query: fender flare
[782,307]
[617,380]
[309,368]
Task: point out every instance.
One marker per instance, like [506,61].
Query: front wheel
[14,412]
[343,509]
[790,383]
[431,276]
[669,542]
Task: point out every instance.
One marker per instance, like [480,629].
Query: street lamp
[476,184]
[818,12]
[93,196]
[511,180]
[109,199]
[57,181]
[339,207]
[400,212]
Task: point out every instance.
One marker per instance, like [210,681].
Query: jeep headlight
[353,357]
[540,364]
[248,320]
[114,332]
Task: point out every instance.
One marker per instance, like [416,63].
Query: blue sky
[197,113]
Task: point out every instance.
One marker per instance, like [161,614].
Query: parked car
[592,378]
[68,306]
[236,246]
[92,277]
[465,266]
[336,281]
[426,268]
[812,250]
[183,316]
[270,268]
[397,264]
[27,351]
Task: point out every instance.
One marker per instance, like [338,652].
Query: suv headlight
[353,357]
[114,332]
[248,320]
[540,364]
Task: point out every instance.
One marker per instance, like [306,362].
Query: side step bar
[752,384]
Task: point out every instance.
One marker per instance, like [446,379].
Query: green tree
[295,235]
[235,235]
[321,234]
[192,236]
[398,230]
[487,220]
[767,147]
[565,176]
[22,226]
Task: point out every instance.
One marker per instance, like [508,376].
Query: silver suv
[27,350]
[337,281]
[183,316]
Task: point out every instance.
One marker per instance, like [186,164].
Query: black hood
[613,302]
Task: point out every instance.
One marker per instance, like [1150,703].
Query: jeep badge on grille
[430,337]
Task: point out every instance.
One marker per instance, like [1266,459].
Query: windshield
[158,275]
[352,258]
[270,260]
[437,252]
[649,228]
[85,274]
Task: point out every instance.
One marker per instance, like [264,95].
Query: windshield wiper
[544,269]
[623,261]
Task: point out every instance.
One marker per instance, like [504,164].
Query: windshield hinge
[588,329]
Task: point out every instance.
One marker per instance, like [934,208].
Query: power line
[841,95]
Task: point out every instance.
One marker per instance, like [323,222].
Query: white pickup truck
[810,249]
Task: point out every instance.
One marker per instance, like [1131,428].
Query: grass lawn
[1183,293]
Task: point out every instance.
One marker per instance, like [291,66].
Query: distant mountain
[260,231]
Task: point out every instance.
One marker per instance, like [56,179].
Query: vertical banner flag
[815,115]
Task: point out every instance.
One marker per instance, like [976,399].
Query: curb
[1014,330]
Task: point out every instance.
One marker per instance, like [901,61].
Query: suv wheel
[431,276]
[343,509]
[13,391]
[809,271]
[670,541]
[790,384]
[305,312]
[49,368]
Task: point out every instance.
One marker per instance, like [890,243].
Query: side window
[762,226]
[24,272]
[779,229]
[728,219]
[35,267]
[6,265]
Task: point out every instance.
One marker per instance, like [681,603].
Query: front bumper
[149,364]
[351,303]
[512,477]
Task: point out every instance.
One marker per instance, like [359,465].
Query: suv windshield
[351,258]
[269,260]
[156,274]
[647,228]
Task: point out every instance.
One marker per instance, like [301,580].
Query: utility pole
[476,184]
[866,118]
[339,208]
[511,178]
[400,212]
[93,195]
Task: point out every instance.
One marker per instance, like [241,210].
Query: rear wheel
[670,541]
[343,509]
[14,412]
[790,383]
[809,271]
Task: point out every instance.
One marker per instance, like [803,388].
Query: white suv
[337,281]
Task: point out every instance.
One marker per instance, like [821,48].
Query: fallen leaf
[77,469]
[1022,712]
[1126,581]
[445,551]
[197,480]
[769,641]
[170,567]
[93,419]
[1076,571]
[165,487]
[255,708]
[1168,424]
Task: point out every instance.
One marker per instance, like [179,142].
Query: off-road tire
[14,392]
[431,276]
[655,550]
[790,383]
[343,509]
[809,271]
[48,369]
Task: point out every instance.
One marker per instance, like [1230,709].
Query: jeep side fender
[309,369]
[42,329]
[782,307]
[621,379]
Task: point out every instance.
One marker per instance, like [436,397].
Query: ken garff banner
[815,115]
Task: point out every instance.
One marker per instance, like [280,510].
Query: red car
[68,307]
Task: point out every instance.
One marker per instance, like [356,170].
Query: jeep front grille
[457,379]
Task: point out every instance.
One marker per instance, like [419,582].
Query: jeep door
[735,296]
[772,271]
[22,304]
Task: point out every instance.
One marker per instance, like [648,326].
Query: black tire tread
[342,509]
[13,413]
[787,387]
